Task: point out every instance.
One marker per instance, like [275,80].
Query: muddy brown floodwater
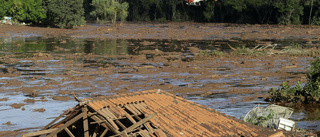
[40,68]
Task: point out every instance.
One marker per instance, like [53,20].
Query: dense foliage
[23,10]
[310,93]
[64,13]
[109,10]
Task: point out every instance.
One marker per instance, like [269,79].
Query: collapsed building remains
[154,113]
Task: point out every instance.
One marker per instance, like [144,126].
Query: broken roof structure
[154,113]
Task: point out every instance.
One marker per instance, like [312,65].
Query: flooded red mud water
[39,74]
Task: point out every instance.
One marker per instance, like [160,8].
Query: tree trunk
[310,12]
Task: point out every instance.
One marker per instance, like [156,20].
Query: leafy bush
[312,88]
[65,13]
[310,93]
[287,94]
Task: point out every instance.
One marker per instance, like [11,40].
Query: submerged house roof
[154,113]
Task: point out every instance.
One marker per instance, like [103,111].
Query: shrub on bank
[310,93]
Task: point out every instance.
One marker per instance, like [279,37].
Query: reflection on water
[35,76]
[131,46]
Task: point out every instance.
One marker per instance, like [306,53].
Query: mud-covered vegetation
[310,93]
[294,50]
[64,13]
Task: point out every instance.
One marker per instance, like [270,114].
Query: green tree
[261,10]
[122,9]
[238,5]
[158,12]
[3,9]
[251,11]
[109,10]
[23,10]
[87,9]
[172,5]
[146,6]
[313,12]
[33,11]
[65,13]
[290,11]
[209,11]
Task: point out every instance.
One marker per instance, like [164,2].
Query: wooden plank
[124,134]
[106,124]
[56,119]
[104,132]
[130,118]
[129,129]
[69,132]
[137,117]
[121,125]
[85,122]
[108,113]
[109,120]
[73,113]
[112,115]
[144,133]
[95,118]
[38,133]
[96,131]
[66,125]
[102,113]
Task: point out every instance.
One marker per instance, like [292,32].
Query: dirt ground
[239,74]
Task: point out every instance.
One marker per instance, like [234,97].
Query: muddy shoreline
[171,30]
[32,78]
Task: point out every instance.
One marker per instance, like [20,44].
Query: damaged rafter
[132,127]
[54,133]
[38,133]
[105,123]
[69,132]
[71,115]
[85,121]
[95,133]
[55,120]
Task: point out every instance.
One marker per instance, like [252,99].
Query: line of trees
[70,13]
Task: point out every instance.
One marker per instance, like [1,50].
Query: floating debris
[273,116]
